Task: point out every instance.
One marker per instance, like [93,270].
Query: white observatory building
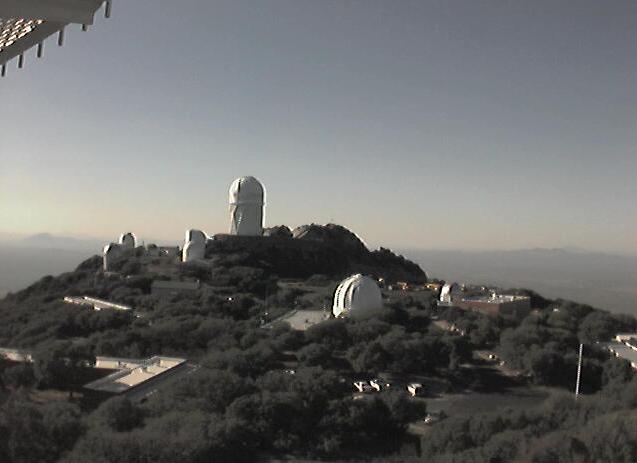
[128,241]
[357,296]
[247,200]
[193,250]
[112,252]
[195,246]
[195,235]
[450,293]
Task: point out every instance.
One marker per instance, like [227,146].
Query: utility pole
[579,371]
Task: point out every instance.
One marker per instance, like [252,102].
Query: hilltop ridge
[330,250]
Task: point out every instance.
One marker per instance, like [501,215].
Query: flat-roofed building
[301,320]
[96,304]
[623,351]
[626,338]
[116,363]
[497,304]
[131,374]
[16,355]
[137,378]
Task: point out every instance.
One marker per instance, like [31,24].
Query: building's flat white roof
[301,319]
[16,355]
[117,363]
[97,304]
[136,376]
[623,351]
[131,373]
[495,299]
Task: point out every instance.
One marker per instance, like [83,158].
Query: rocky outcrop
[330,250]
[280,231]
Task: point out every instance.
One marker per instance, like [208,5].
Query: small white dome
[246,190]
[356,296]
[195,235]
[112,249]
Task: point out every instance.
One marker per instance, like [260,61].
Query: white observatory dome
[356,296]
[195,235]
[111,252]
[450,292]
[246,190]
[194,250]
[247,199]
[128,241]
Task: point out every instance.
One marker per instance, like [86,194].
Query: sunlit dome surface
[194,250]
[195,235]
[247,199]
[128,241]
[357,296]
[247,190]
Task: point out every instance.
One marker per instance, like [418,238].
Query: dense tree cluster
[274,392]
[596,428]
[37,433]
[545,344]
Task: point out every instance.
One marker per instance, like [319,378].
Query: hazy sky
[423,124]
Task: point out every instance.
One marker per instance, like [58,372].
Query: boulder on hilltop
[281,231]
[330,250]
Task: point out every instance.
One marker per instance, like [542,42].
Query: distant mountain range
[49,241]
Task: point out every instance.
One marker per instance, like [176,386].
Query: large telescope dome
[247,199]
[194,250]
[247,190]
[357,296]
[195,235]
[111,253]
[195,245]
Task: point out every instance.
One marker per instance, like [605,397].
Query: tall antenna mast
[579,370]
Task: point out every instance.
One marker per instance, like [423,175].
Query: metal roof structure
[27,23]
[16,355]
